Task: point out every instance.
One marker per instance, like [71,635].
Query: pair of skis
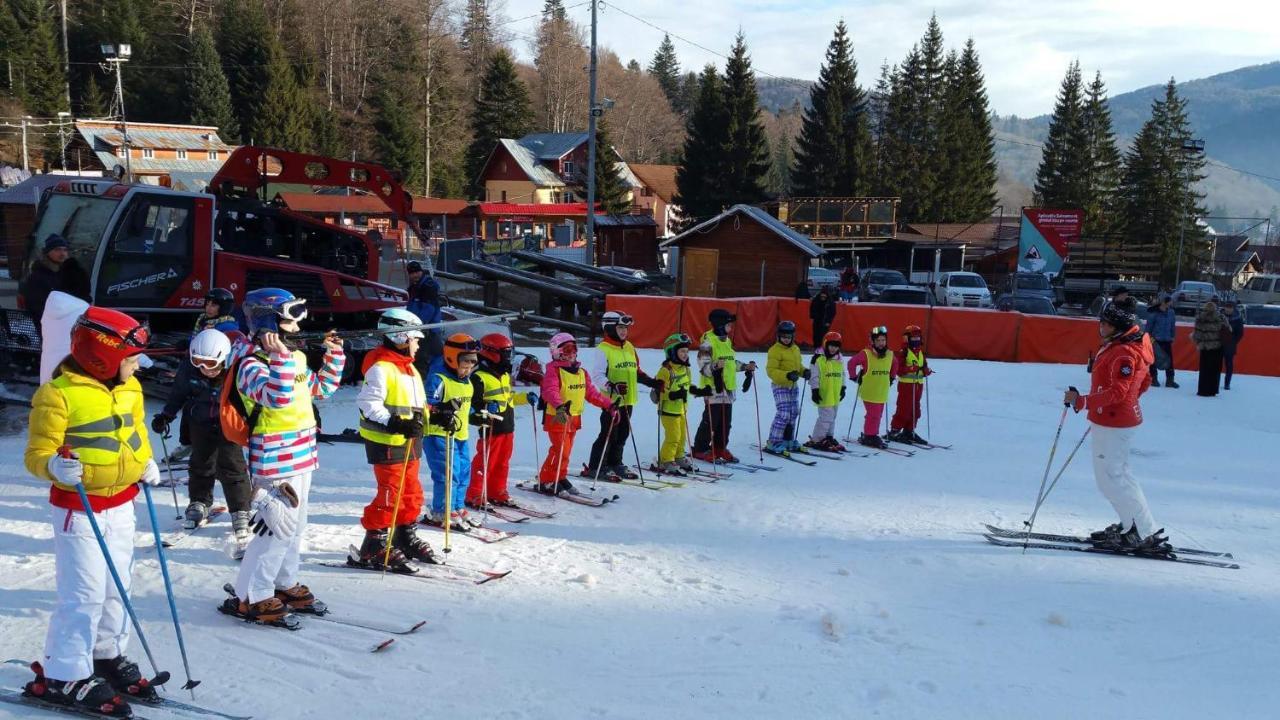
[889,449]
[423,571]
[582,498]
[19,697]
[1072,543]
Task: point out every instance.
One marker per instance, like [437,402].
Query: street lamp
[1191,149]
[116,55]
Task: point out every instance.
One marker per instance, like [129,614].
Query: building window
[504,196]
[120,151]
[213,154]
[148,153]
[568,168]
[182,154]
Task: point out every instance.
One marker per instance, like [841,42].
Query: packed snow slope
[857,588]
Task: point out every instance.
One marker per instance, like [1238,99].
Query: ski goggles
[470,346]
[625,320]
[880,330]
[294,309]
[138,337]
[206,363]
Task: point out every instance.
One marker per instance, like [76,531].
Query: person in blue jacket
[424,301]
[219,313]
[1162,326]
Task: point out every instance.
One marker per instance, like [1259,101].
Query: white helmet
[210,345]
[397,318]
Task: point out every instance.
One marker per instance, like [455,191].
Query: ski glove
[649,382]
[66,470]
[858,378]
[793,376]
[746,384]
[447,419]
[678,395]
[618,388]
[817,396]
[151,473]
[160,424]
[843,391]
[532,398]
[410,427]
[807,374]
[562,414]
[700,391]
[275,511]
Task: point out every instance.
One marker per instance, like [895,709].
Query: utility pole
[596,111]
[117,55]
[66,61]
[62,136]
[1190,149]
[26,164]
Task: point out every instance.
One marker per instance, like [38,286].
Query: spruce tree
[833,154]
[40,80]
[665,68]
[905,171]
[281,118]
[94,101]
[243,44]
[208,94]
[554,10]
[746,149]
[970,168]
[501,112]
[699,190]
[1062,178]
[611,191]
[690,85]
[397,141]
[476,43]
[1104,160]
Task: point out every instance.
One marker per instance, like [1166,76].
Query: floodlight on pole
[63,118]
[117,54]
[1192,148]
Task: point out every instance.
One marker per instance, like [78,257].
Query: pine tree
[397,140]
[501,112]
[699,192]
[929,87]
[1062,178]
[281,118]
[970,169]
[746,150]
[1104,160]
[689,88]
[477,43]
[554,10]
[903,170]
[665,68]
[94,101]
[611,191]
[40,80]
[208,94]
[833,154]
[243,44]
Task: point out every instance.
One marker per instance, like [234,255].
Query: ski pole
[485,438]
[613,420]
[795,434]
[636,448]
[560,455]
[172,484]
[168,589]
[448,489]
[533,420]
[1067,462]
[395,515]
[755,391]
[161,677]
[928,410]
[1047,466]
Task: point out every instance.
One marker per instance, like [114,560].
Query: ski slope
[857,588]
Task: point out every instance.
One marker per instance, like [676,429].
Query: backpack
[237,423]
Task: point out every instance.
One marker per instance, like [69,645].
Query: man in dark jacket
[822,311]
[1162,326]
[424,301]
[1236,322]
[54,271]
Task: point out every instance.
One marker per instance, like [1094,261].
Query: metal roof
[28,191]
[769,222]
[157,136]
[552,146]
[533,209]
[537,173]
[625,221]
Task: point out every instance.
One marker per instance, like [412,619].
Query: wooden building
[183,157]
[742,252]
[627,241]
[657,194]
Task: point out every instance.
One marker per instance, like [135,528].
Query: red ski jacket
[1119,377]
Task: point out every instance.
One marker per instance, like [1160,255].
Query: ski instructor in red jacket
[1120,376]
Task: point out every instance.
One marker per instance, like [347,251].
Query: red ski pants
[490,478]
[380,513]
[871,422]
[556,466]
[908,412]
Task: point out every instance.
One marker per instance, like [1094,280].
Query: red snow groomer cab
[156,251]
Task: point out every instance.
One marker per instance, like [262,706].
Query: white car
[962,289]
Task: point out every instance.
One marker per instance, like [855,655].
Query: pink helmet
[558,341]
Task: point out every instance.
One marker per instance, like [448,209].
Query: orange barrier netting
[949,332]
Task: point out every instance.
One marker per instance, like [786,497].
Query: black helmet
[223,298]
[720,317]
[1120,314]
[786,327]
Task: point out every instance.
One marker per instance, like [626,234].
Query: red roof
[438,206]
[312,203]
[533,209]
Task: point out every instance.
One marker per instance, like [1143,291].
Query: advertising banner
[1044,239]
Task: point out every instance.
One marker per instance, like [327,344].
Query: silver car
[1191,294]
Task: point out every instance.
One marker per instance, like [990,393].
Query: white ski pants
[1111,470]
[89,620]
[825,425]
[269,562]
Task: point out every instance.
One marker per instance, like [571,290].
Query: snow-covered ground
[857,588]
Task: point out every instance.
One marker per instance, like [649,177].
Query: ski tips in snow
[1075,547]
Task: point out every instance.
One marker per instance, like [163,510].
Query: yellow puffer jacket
[782,360]
[72,398]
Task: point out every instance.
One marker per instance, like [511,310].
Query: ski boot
[300,600]
[468,519]
[624,472]
[374,556]
[723,455]
[896,436]
[604,473]
[93,695]
[456,523]
[872,441]
[834,445]
[123,675]
[708,456]
[265,612]
[915,437]
[414,548]
[667,468]
[504,502]
[778,448]
[685,464]
[553,489]
[240,525]
[197,514]
[813,444]
[794,446]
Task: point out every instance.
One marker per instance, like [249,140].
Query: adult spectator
[822,311]
[802,291]
[424,301]
[1208,336]
[848,284]
[55,270]
[1236,322]
[1162,326]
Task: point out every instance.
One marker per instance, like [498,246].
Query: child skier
[675,387]
[496,424]
[277,388]
[615,368]
[785,368]
[449,392]
[827,393]
[196,392]
[719,370]
[92,406]
[219,312]
[915,368]
[392,403]
[874,369]
[566,388]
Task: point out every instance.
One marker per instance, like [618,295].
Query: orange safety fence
[949,332]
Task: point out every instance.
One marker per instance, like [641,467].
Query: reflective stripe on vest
[875,381]
[679,380]
[573,390]
[830,380]
[912,357]
[297,414]
[99,422]
[721,350]
[622,366]
[453,393]
[399,402]
[496,389]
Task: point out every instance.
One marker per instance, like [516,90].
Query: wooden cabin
[742,252]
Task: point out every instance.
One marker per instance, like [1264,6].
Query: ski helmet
[103,338]
[719,318]
[395,318]
[1120,314]
[265,307]
[209,349]
[495,350]
[457,348]
[672,345]
[786,327]
[913,335]
[832,338]
[879,331]
[610,321]
[563,347]
[223,298]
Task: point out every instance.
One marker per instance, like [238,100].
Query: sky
[1025,45]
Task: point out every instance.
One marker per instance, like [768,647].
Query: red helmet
[832,337]
[103,338]
[911,331]
[496,348]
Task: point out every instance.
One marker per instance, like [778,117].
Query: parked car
[820,277]
[1191,294]
[1261,289]
[1026,304]
[873,281]
[1260,314]
[905,295]
[962,289]
[1031,284]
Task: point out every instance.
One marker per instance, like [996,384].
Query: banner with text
[1044,238]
